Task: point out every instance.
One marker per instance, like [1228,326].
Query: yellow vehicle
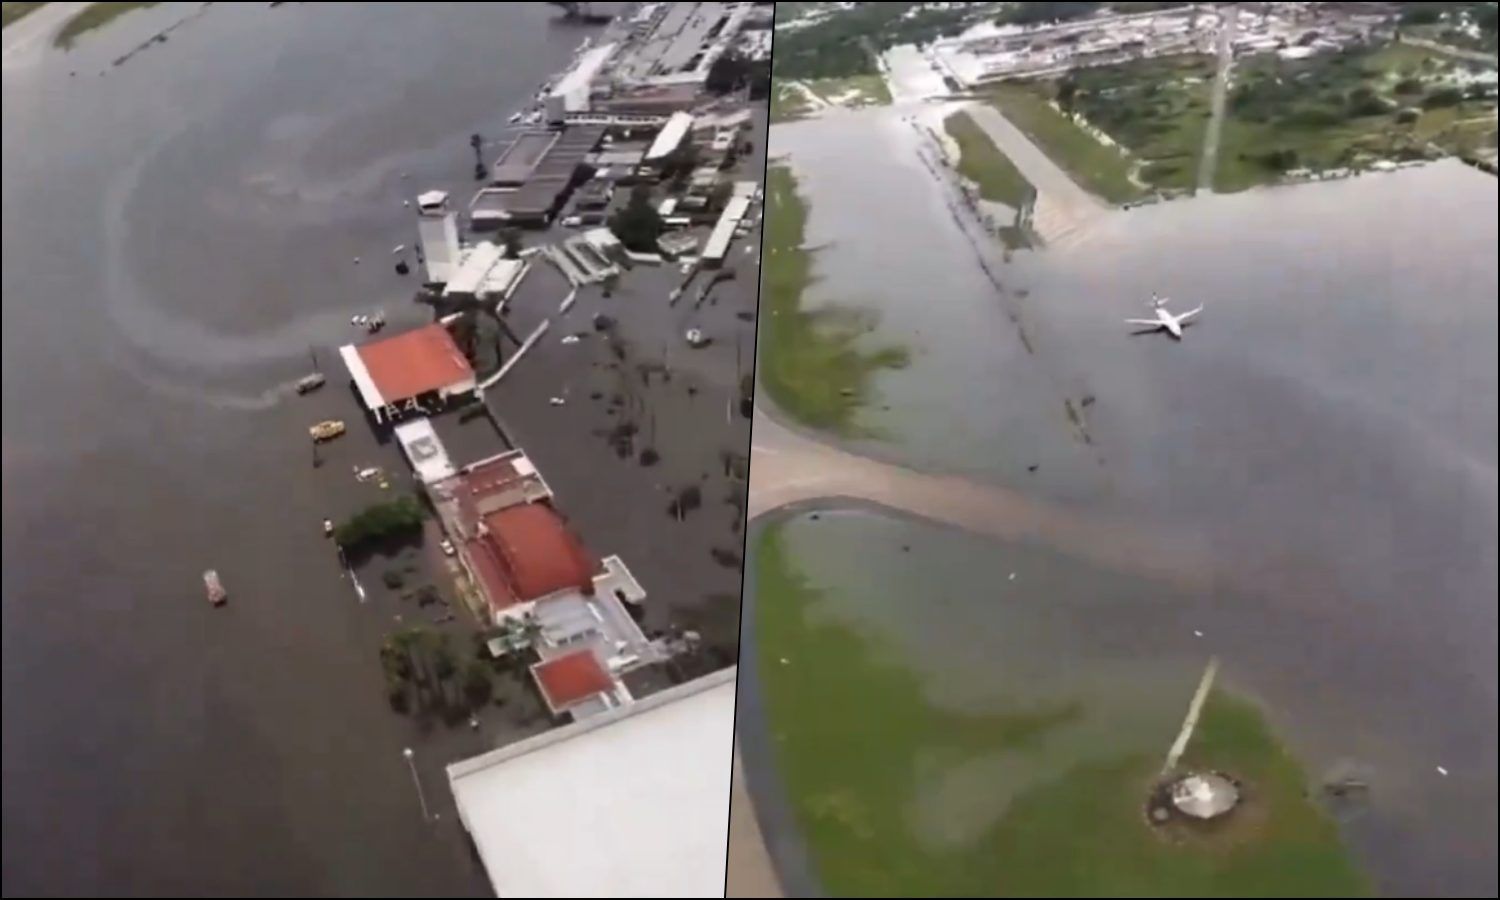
[326,430]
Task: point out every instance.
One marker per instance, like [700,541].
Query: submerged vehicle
[216,593]
[326,430]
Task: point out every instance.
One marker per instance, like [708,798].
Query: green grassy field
[1157,108]
[1345,110]
[982,162]
[95,15]
[852,730]
[10,12]
[811,363]
[1103,170]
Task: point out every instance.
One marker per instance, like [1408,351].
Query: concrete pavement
[22,44]
[1063,207]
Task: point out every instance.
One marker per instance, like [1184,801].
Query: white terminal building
[633,802]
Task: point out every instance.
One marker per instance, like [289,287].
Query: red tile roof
[415,362]
[537,551]
[568,679]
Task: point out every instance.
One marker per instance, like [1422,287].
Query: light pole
[416,780]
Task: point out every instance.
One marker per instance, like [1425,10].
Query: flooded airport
[1315,462]
[189,225]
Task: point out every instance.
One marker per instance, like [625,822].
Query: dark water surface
[177,232]
[1327,436]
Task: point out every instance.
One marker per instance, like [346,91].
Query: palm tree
[531,629]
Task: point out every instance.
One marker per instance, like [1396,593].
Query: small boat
[216,593]
[309,383]
[515,117]
[326,430]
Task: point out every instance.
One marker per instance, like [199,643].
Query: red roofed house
[575,683]
[529,565]
[416,371]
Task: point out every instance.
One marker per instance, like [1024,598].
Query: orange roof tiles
[415,362]
[568,679]
[537,551]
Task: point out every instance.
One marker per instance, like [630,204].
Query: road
[1063,207]
[1208,163]
[25,40]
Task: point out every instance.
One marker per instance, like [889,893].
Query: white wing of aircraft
[1165,320]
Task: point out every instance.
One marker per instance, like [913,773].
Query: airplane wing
[1189,314]
[1153,323]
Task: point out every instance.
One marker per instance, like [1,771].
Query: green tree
[443,664]
[510,239]
[1067,92]
[728,73]
[383,520]
[638,225]
[477,685]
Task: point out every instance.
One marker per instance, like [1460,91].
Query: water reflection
[1329,428]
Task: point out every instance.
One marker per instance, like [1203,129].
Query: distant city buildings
[990,52]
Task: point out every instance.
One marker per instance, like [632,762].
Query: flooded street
[1325,433]
[181,232]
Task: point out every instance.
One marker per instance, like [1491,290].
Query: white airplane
[1165,320]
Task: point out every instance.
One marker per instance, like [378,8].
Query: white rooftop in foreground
[629,803]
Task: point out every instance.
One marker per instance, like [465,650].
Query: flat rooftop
[518,161]
[633,802]
[677,41]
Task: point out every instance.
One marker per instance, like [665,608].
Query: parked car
[447,546]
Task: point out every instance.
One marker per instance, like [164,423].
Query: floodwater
[180,231]
[1327,433]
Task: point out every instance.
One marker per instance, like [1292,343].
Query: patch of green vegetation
[1099,168]
[852,806]
[853,90]
[1347,110]
[811,362]
[10,12]
[845,40]
[1471,26]
[981,162]
[852,729]
[1156,108]
[95,15]
[1086,834]
[380,522]
[788,102]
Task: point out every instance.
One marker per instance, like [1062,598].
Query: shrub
[1450,96]
[1363,102]
[477,685]
[1279,160]
[392,578]
[1314,117]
